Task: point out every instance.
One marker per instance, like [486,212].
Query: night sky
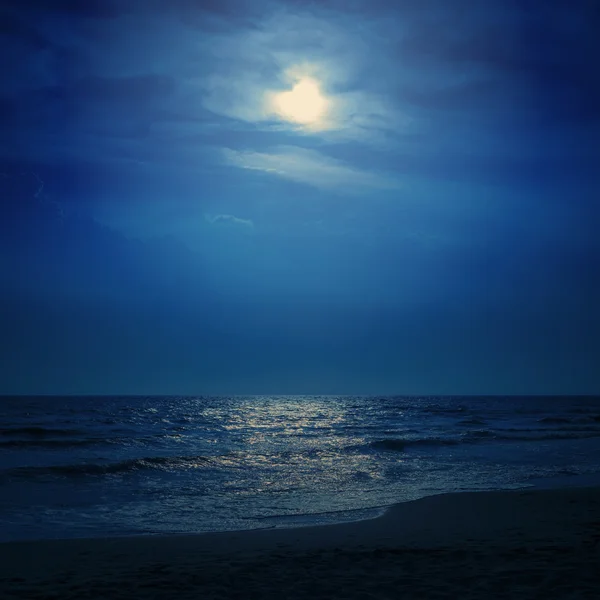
[431,228]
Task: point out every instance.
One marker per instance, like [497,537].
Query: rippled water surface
[91,466]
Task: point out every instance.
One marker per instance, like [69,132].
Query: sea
[123,465]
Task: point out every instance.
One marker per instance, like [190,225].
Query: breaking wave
[125,466]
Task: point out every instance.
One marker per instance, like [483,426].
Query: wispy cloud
[229,220]
[310,167]
[252,65]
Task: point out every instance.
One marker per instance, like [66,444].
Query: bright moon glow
[302,104]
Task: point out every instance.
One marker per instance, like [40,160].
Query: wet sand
[517,544]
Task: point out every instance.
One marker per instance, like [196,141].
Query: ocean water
[105,466]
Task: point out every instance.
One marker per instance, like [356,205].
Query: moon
[303,104]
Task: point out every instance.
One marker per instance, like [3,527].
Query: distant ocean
[106,466]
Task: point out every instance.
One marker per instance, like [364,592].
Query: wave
[555,420]
[584,428]
[445,410]
[471,421]
[38,431]
[401,444]
[49,443]
[568,420]
[124,466]
[531,435]
[34,437]
[541,437]
[481,436]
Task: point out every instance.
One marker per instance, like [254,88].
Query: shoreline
[530,538]
[293,521]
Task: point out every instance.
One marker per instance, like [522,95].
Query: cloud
[250,65]
[229,220]
[477,84]
[507,59]
[310,167]
[90,9]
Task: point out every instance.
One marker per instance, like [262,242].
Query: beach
[530,543]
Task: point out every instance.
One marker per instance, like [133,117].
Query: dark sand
[519,544]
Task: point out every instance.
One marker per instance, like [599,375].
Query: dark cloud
[95,9]
[486,117]
[545,52]
[13,26]
[473,95]
[125,92]
[121,106]
[225,8]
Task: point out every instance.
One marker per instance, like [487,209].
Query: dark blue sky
[165,229]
